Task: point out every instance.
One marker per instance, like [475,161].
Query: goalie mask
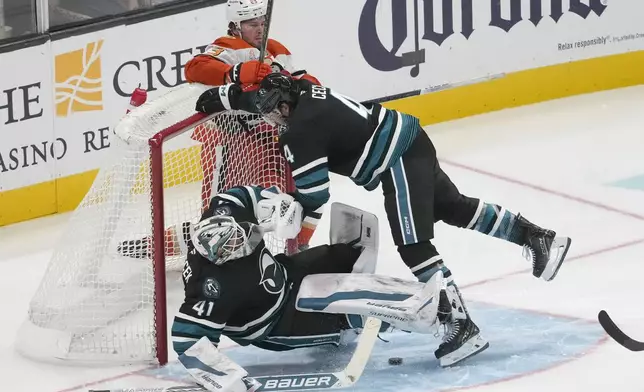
[276,89]
[220,239]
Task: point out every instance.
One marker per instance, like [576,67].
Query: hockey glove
[250,72]
[219,99]
[279,213]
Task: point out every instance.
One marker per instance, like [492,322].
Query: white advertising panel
[62,99]
[108,65]
[29,148]
[375,48]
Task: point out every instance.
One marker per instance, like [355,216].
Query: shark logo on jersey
[272,275]
[211,288]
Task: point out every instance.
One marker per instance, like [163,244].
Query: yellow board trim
[527,87]
[32,201]
[516,89]
[72,189]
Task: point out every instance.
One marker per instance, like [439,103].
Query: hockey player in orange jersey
[235,59]
[251,145]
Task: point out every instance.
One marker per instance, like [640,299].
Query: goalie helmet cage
[103,296]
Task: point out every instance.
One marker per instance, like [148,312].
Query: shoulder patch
[211,288]
[215,52]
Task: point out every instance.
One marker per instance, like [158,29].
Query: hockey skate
[462,337]
[136,249]
[541,246]
[175,245]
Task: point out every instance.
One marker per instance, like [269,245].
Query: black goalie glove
[219,99]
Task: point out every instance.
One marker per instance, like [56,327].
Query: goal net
[103,295]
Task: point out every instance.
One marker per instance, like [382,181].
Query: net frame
[158,229]
[157,189]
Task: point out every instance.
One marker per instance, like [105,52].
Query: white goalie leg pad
[215,371]
[350,225]
[406,305]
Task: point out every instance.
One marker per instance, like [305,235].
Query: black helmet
[274,89]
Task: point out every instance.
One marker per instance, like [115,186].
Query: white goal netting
[102,297]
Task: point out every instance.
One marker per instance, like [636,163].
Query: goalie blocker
[235,287]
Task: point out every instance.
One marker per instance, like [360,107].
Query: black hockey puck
[395,361]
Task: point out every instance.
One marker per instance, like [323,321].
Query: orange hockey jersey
[213,65]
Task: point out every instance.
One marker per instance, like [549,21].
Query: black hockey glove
[219,99]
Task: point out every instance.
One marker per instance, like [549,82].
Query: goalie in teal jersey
[235,287]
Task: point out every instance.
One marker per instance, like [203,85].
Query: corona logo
[465,23]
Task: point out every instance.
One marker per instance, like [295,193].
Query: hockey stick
[433,89]
[267,26]
[614,332]
[301,382]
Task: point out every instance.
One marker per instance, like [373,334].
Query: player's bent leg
[541,246]
[406,305]
[408,191]
[462,337]
[296,329]
[411,207]
[336,258]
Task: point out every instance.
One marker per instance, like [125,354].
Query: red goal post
[103,296]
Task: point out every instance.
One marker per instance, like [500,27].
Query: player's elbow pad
[206,70]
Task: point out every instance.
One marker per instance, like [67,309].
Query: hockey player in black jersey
[235,287]
[329,132]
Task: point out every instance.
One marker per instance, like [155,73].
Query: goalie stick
[300,382]
[614,332]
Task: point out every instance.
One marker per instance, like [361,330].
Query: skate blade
[558,252]
[470,348]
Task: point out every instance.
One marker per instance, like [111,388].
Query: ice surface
[571,165]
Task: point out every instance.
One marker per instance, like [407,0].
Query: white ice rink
[574,165]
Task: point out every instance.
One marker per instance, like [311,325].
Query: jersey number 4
[353,105]
[319,92]
[288,155]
